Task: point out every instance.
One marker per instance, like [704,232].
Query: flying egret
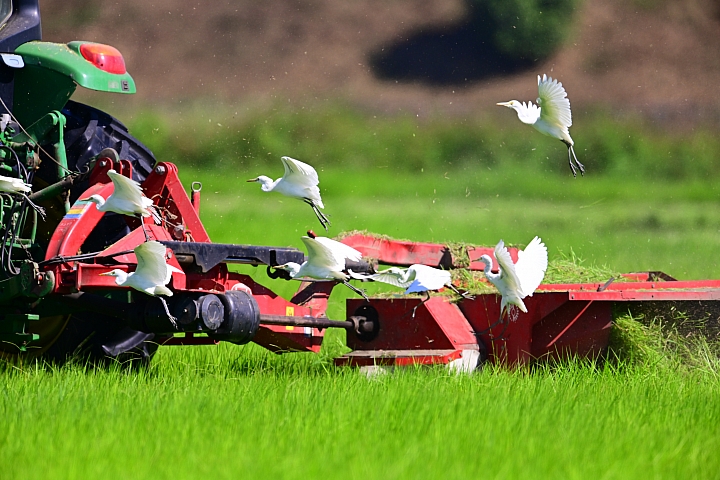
[17,185]
[325,261]
[416,278]
[551,116]
[151,275]
[299,181]
[519,280]
[127,199]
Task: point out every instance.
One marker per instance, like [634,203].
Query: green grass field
[240,412]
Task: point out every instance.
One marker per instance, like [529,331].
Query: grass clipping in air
[652,342]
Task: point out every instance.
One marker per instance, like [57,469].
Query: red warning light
[104,57]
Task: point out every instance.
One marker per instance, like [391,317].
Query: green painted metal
[49,128]
[13,329]
[51,73]
[38,91]
[66,59]
[29,283]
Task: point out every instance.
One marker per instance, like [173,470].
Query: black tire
[88,337]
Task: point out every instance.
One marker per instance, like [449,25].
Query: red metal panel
[402,253]
[696,285]
[397,358]
[87,276]
[554,325]
[452,322]
[510,341]
[396,252]
[577,328]
[164,187]
[646,295]
[77,224]
[99,172]
[414,324]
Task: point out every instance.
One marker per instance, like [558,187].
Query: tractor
[56,305]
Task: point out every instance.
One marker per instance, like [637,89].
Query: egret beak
[253,180]
[503,104]
[106,274]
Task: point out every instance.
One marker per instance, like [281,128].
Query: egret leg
[580,166]
[572,167]
[462,294]
[356,290]
[172,319]
[324,220]
[427,298]
[142,224]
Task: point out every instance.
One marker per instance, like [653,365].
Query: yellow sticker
[289,311]
[289,327]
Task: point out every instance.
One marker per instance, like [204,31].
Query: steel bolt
[103,163]
[160,170]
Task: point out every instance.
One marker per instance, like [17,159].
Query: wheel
[91,337]
[94,339]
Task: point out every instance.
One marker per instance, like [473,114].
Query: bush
[340,135]
[526,29]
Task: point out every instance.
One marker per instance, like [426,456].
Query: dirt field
[658,57]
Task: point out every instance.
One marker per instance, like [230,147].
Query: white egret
[325,261]
[551,116]
[151,275]
[299,181]
[416,278]
[519,280]
[127,199]
[14,185]
[17,185]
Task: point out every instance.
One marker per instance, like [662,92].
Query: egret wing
[531,266]
[300,173]
[428,278]
[152,265]
[553,101]
[393,276]
[126,188]
[359,276]
[340,249]
[507,267]
[321,255]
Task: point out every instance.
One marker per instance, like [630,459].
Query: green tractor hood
[52,71]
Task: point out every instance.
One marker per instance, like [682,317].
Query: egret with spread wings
[127,199]
[151,275]
[516,281]
[299,181]
[416,278]
[551,116]
[326,260]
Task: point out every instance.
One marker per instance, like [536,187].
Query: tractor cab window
[5,11]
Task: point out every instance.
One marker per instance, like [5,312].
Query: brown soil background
[660,58]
